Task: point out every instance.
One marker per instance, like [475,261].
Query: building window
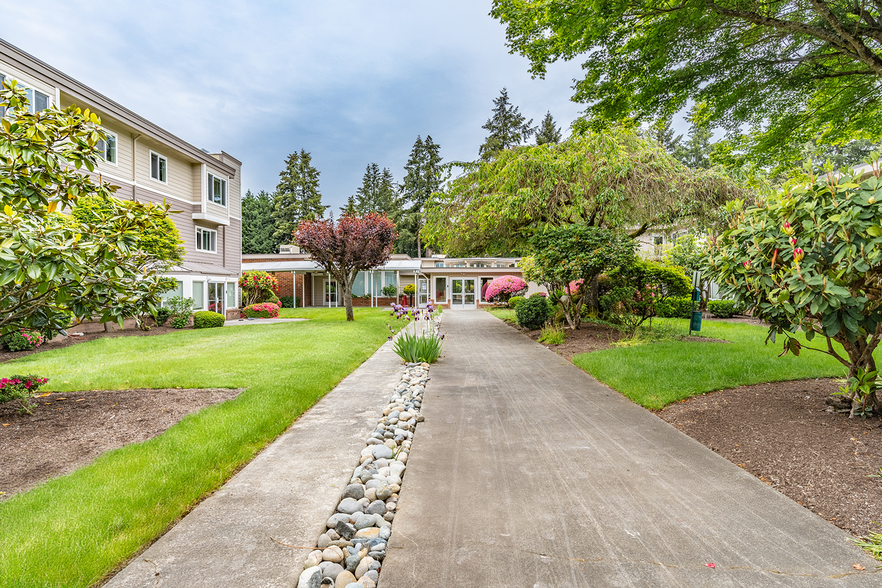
[198,295]
[158,167]
[206,240]
[217,190]
[108,147]
[178,290]
[659,240]
[37,101]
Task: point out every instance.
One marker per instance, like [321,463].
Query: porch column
[294,287]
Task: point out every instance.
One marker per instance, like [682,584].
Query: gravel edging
[350,553]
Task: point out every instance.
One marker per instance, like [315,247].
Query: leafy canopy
[53,267]
[810,259]
[616,179]
[348,246]
[787,71]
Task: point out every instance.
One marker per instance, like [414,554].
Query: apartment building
[148,163]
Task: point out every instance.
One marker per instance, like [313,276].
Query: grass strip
[657,374]
[73,530]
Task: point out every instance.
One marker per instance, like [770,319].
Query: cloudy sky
[352,82]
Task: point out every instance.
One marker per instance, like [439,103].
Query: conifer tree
[663,133]
[297,196]
[548,131]
[508,127]
[350,209]
[695,151]
[258,225]
[423,175]
[377,191]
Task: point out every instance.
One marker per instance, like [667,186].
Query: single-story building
[456,283]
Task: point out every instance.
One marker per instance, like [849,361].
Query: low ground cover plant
[206,319]
[23,340]
[553,334]
[21,388]
[262,310]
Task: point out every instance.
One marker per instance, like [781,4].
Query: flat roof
[311,266]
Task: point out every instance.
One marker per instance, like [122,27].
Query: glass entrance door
[330,292]
[216,297]
[463,293]
[423,292]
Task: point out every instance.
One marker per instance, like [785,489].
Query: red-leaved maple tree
[348,246]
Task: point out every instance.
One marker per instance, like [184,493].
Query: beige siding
[233,246]
[216,209]
[234,195]
[197,186]
[180,173]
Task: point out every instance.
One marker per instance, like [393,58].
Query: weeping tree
[810,259]
[616,180]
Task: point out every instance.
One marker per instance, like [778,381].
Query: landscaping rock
[310,578]
[330,569]
[363,566]
[333,554]
[349,506]
[354,491]
[381,451]
[345,530]
[345,579]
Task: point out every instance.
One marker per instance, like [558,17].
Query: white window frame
[199,239]
[50,99]
[116,150]
[210,185]
[150,166]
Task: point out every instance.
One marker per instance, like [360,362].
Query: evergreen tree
[695,151]
[423,175]
[297,196]
[663,133]
[548,131]
[258,225]
[377,192]
[508,127]
[350,209]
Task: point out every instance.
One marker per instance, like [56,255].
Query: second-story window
[206,240]
[217,190]
[37,101]
[108,148]
[158,167]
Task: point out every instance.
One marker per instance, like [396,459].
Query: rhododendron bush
[810,258]
[262,310]
[504,287]
[257,286]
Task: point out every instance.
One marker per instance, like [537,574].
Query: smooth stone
[373,484]
[420,418]
[381,463]
[352,562]
[353,585]
[379,555]
[366,582]
[390,445]
[397,468]
[345,529]
[332,534]
[385,533]
[377,507]
[344,579]
[341,543]
[393,481]
[369,533]
[381,451]
[366,451]
[374,441]
[349,506]
[389,516]
[365,520]
[310,578]
[323,541]
[335,518]
[333,554]
[330,569]
[402,457]
[371,494]
[312,561]
[363,566]
[384,471]
[384,493]
[375,567]
[373,574]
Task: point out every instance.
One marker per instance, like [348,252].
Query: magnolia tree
[54,267]
[504,287]
[570,258]
[810,259]
[348,246]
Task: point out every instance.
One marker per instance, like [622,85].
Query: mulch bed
[69,430]
[68,341]
[782,433]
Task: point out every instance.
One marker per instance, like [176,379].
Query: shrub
[504,287]
[553,335]
[532,312]
[205,319]
[286,301]
[410,289]
[514,301]
[262,310]
[258,286]
[162,314]
[180,322]
[723,308]
[23,340]
[390,290]
[181,310]
[674,307]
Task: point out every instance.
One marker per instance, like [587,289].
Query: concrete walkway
[528,472]
[258,528]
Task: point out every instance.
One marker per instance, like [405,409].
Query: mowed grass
[73,530]
[506,314]
[657,374]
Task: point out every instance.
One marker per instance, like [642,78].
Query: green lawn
[506,314]
[73,530]
[657,374]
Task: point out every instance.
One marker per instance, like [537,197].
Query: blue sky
[352,82]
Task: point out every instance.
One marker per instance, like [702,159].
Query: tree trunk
[347,301]
[591,294]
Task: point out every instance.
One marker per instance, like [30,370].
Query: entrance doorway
[462,294]
[330,292]
[422,292]
[216,291]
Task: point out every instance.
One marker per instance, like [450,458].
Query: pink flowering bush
[20,388]
[23,340]
[504,287]
[262,310]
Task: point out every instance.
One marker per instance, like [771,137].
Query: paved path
[234,539]
[528,472]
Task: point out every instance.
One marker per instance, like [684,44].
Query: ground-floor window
[216,295]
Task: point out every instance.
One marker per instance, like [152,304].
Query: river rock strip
[350,553]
